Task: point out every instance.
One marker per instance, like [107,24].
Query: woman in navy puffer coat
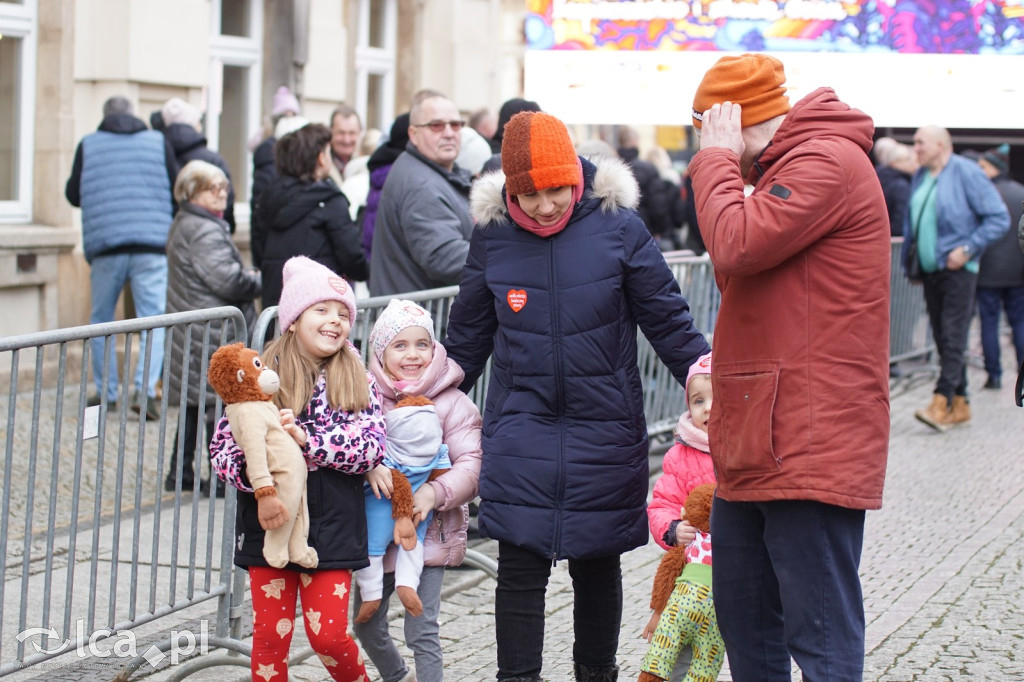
[561,271]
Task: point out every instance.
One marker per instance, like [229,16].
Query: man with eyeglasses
[421,238]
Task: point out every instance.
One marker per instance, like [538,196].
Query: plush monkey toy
[273,460]
[684,610]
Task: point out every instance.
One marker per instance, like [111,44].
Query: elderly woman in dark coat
[305,214]
[204,270]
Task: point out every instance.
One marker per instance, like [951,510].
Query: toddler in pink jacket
[406,360]
[687,464]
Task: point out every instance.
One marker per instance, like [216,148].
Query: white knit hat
[397,316]
[177,110]
[307,282]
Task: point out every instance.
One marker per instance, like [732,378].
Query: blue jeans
[786,583]
[147,273]
[519,610]
[991,302]
[422,634]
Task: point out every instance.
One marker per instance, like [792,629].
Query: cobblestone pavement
[943,569]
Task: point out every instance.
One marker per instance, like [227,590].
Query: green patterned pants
[688,618]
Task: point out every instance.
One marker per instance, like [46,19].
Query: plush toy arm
[437,473]
[669,568]
[401,511]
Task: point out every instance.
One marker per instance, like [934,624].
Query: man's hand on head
[721,128]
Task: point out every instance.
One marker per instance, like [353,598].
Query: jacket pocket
[746,392]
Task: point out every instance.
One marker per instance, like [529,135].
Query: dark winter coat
[379,165]
[1002,264]
[564,470]
[307,219]
[204,270]
[896,190]
[264,172]
[189,145]
[657,197]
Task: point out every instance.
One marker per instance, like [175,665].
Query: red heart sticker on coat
[516,299]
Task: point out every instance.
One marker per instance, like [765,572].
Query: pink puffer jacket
[445,544]
[683,469]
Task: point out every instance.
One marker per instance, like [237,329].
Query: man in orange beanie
[800,430]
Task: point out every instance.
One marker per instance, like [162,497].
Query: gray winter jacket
[1002,264]
[204,270]
[421,238]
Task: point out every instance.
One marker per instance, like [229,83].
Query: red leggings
[325,596]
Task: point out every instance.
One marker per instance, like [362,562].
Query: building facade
[61,59]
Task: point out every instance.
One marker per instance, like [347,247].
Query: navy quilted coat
[564,471]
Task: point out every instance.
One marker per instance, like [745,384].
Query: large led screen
[957,64]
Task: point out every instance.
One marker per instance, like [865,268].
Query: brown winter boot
[961,412]
[937,414]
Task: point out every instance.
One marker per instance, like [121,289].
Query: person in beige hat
[800,430]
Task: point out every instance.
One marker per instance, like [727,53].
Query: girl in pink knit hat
[332,408]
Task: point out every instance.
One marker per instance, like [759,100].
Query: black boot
[585,673]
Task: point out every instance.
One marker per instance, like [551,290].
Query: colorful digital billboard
[906,63]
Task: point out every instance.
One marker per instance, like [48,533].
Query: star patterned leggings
[325,596]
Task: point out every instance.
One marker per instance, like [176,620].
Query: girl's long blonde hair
[347,386]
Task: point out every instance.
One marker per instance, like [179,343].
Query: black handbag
[914,272]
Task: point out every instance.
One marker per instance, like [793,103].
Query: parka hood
[609,183]
[820,113]
[183,138]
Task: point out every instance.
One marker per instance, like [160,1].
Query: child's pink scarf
[690,434]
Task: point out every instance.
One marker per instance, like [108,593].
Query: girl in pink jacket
[408,361]
[687,464]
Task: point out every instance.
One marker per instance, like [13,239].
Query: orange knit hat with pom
[754,81]
[536,153]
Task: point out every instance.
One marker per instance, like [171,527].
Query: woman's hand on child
[272,512]
[380,482]
[291,428]
[651,626]
[423,501]
[685,534]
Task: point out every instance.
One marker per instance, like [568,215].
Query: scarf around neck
[529,224]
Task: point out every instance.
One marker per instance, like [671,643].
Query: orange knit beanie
[536,153]
[754,81]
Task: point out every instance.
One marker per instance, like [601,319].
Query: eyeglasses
[439,126]
[217,188]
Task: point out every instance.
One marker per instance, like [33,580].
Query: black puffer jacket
[264,172]
[307,219]
[1002,264]
[190,145]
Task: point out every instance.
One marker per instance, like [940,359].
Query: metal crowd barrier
[94,549]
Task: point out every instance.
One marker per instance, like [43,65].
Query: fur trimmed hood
[610,182]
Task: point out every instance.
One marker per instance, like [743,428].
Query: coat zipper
[559,400]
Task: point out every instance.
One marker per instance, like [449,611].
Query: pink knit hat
[702,366]
[398,316]
[307,282]
[284,101]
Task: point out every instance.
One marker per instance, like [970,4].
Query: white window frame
[21,21]
[377,61]
[227,50]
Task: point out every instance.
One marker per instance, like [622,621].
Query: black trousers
[188,437]
[949,297]
[519,610]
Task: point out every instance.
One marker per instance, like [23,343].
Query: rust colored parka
[801,343]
